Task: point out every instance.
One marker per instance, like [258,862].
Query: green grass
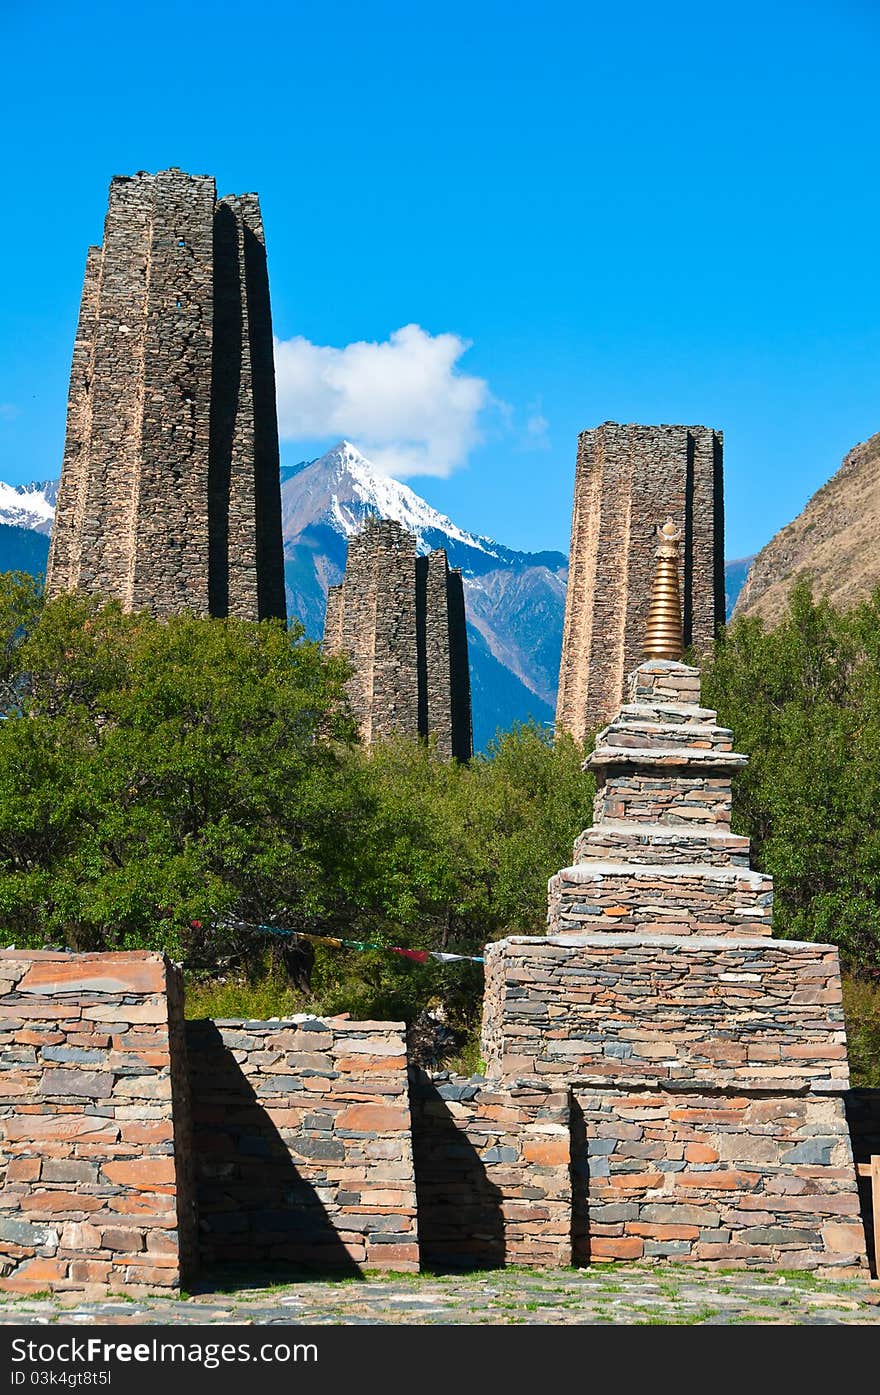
[468,1060]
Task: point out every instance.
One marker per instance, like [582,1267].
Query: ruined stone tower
[170,494]
[625,479]
[401,620]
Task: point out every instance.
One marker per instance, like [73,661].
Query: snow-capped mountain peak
[346,488]
[29,505]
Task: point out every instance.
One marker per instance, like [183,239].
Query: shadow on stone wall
[255,1208]
[580,1187]
[863,1118]
[461,1221]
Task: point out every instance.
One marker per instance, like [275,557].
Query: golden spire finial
[663,635]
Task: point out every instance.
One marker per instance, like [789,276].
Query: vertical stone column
[395,694]
[459,669]
[271,602]
[106,542]
[170,492]
[247,573]
[353,630]
[400,619]
[437,677]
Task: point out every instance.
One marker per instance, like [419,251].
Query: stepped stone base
[659,899]
[692,1010]
[616,840]
[707,1078]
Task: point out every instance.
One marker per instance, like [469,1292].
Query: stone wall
[492,1172]
[170,494]
[629,478]
[618,1008]
[699,1115]
[401,621]
[96,1188]
[302,1143]
[727,1178]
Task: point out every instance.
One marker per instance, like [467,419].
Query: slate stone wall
[727,1178]
[738,1012]
[629,478]
[170,493]
[93,1123]
[648,1106]
[492,1172]
[302,1144]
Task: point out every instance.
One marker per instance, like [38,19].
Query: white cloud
[402,401]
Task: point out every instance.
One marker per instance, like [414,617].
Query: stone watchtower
[401,620]
[625,479]
[170,493]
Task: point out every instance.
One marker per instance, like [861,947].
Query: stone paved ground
[605,1294]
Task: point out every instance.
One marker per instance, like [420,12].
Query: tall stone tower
[626,478]
[170,494]
[401,620]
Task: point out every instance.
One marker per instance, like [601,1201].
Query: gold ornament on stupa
[663,635]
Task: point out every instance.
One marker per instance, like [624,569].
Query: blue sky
[638,212]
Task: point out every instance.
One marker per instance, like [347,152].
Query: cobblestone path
[561,1296]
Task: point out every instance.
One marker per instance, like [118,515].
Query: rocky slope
[835,541]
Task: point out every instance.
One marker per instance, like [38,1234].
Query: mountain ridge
[833,542]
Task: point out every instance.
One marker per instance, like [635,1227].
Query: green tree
[803,700]
[154,774]
[167,784]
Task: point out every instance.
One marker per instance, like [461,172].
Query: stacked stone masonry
[629,478]
[694,1011]
[303,1144]
[674,1095]
[170,491]
[744,1178]
[308,1148]
[96,1157]
[400,619]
